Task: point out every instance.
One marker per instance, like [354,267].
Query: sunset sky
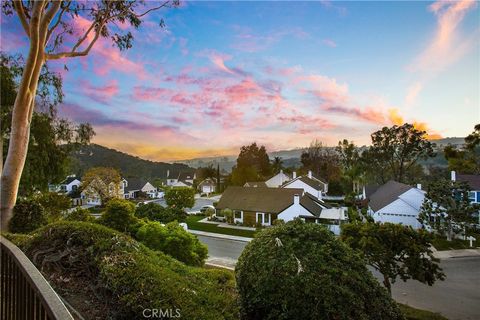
[224,74]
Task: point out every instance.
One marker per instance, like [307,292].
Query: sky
[223,74]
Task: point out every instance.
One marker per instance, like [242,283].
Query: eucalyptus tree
[49,28]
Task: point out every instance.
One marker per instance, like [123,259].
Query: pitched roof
[371,189]
[386,194]
[208,182]
[255,184]
[313,205]
[268,200]
[135,184]
[312,182]
[186,176]
[69,180]
[473,180]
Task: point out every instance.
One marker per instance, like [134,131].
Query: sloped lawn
[194,224]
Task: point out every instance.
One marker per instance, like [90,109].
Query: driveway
[457,298]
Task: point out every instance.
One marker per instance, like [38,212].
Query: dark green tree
[253,164]
[395,151]
[180,197]
[447,208]
[277,165]
[323,161]
[155,212]
[298,270]
[396,251]
[467,160]
[119,215]
[28,215]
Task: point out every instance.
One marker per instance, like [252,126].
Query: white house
[208,185]
[473,181]
[184,179]
[396,202]
[309,184]
[252,206]
[71,183]
[133,186]
[278,180]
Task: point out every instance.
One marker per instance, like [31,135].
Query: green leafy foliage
[396,251]
[253,164]
[446,207]
[55,204]
[126,275]
[299,270]
[79,214]
[180,197]
[28,215]
[155,212]
[119,215]
[173,240]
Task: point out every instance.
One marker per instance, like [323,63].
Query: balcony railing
[24,292]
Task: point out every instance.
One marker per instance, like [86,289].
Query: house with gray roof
[396,202]
[255,184]
[133,187]
[252,206]
[309,183]
[183,179]
[473,182]
[67,186]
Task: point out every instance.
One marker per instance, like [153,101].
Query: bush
[228,214]
[54,204]
[123,277]
[180,197]
[299,270]
[119,215]
[173,240]
[28,215]
[79,214]
[209,213]
[155,212]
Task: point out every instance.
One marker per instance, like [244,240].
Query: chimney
[294,174]
[453,175]
[281,171]
[296,199]
[310,174]
[419,186]
[168,174]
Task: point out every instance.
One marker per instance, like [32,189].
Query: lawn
[418,314]
[441,243]
[194,224]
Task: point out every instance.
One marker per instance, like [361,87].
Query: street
[457,298]
[199,203]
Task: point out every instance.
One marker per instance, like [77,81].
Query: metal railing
[24,292]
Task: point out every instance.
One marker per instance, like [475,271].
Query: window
[266,218]
[74,187]
[471,196]
[259,217]
[238,214]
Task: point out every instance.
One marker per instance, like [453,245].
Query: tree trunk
[449,231]
[21,119]
[388,286]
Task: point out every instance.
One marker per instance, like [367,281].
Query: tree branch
[153,9]
[55,25]
[18,6]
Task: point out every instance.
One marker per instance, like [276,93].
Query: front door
[263,218]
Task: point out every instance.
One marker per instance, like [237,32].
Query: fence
[24,292]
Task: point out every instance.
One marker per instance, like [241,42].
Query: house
[208,185]
[184,179]
[473,181]
[134,186]
[255,184]
[278,180]
[90,195]
[70,184]
[252,206]
[309,183]
[396,202]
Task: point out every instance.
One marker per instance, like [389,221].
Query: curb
[219,236]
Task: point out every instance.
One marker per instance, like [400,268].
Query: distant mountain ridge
[291,158]
[95,155]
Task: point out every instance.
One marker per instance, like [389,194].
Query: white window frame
[263,215]
[239,220]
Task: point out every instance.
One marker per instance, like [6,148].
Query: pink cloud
[219,61]
[101,94]
[329,43]
[150,94]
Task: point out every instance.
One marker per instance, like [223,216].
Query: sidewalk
[461,253]
[225,263]
[220,236]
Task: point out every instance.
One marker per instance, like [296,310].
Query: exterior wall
[149,189]
[249,218]
[277,180]
[292,212]
[398,212]
[414,197]
[72,185]
[208,189]
[301,185]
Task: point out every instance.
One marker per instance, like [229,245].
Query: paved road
[199,203]
[457,298]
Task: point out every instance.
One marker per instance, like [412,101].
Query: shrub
[119,215]
[228,214]
[155,212]
[79,214]
[28,215]
[209,212]
[180,197]
[173,240]
[54,204]
[299,270]
[124,277]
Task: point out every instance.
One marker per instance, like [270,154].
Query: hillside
[96,155]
